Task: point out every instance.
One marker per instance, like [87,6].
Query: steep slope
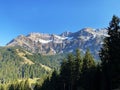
[22,55]
[51,44]
[17,63]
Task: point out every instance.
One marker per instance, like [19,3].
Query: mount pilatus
[51,44]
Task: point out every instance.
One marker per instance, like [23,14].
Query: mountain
[51,44]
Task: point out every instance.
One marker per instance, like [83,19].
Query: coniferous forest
[72,72]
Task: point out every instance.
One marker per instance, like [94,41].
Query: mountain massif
[37,55]
[51,44]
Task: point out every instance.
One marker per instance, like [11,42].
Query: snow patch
[69,38]
[58,41]
[84,38]
[44,41]
[59,37]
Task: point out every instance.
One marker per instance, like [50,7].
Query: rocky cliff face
[66,42]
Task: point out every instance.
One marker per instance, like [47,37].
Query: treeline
[82,73]
[77,73]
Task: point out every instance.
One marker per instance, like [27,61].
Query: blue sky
[53,16]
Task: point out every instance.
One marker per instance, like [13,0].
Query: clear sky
[53,16]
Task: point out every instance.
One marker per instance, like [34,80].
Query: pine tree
[54,81]
[78,63]
[2,87]
[88,61]
[77,69]
[67,73]
[11,87]
[71,71]
[27,85]
[88,71]
[110,55]
[21,85]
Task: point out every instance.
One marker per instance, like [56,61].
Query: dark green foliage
[78,64]
[88,61]
[88,72]
[72,76]
[49,83]
[79,73]
[110,55]
[67,74]
[12,87]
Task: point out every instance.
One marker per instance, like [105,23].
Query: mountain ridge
[51,44]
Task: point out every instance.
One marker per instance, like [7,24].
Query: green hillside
[16,63]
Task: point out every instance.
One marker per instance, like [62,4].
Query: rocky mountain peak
[66,42]
[66,34]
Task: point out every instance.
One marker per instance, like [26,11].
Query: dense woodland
[13,68]
[77,71]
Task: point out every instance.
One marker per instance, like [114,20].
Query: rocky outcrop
[66,42]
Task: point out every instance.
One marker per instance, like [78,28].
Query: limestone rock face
[50,44]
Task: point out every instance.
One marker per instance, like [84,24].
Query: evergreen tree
[71,76]
[37,87]
[21,85]
[110,55]
[27,85]
[45,85]
[78,64]
[88,61]
[67,73]
[54,81]
[71,71]
[2,87]
[88,72]
[78,69]
[11,87]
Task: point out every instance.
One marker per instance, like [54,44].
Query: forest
[76,71]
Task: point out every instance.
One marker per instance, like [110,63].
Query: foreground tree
[71,76]
[71,71]
[110,55]
[67,73]
[88,61]
[88,72]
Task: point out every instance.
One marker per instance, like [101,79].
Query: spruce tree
[110,55]
[88,72]
[78,62]
[88,61]
[67,74]
[54,81]
[71,71]
[78,68]
[21,85]
[27,85]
